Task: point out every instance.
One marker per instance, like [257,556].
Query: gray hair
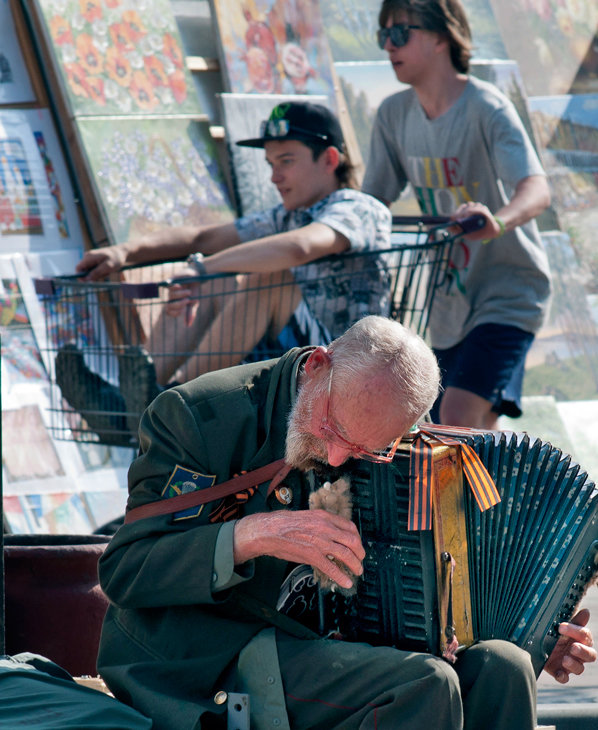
[377,345]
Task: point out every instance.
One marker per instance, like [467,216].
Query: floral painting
[274,47]
[119,56]
[154,173]
[559,35]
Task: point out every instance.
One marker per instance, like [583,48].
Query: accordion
[512,572]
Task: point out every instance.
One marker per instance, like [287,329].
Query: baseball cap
[299,120]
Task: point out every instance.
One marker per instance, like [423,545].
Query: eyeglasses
[398,34]
[282,128]
[330,433]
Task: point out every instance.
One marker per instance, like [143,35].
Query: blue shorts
[489,362]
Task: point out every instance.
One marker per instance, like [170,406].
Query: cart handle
[469,224]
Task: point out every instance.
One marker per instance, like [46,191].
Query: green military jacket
[168,638]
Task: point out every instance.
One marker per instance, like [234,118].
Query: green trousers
[333,685]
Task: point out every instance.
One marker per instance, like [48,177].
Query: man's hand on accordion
[316,537]
[573,650]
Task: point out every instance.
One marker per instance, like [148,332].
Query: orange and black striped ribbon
[229,508]
[421,477]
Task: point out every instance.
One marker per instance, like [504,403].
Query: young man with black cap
[320,214]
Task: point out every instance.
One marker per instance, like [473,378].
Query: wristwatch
[196,260]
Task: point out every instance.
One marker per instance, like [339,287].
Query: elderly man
[194,593]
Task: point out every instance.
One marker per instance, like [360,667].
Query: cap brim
[257,142]
[261,141]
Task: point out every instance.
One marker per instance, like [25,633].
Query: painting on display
[56,513]
[21,428]
[154,173]
[563,360]
[242,114]
[37,209]
[351,27]
[567,132]
[15,85]
[274,47]
[21,359]
[117,56]
[562,34]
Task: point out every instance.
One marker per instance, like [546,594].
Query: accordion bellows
[518,569]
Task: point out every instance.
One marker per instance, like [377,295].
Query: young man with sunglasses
[461,145]
[193,594]
[279,252]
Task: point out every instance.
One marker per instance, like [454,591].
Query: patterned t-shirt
[338,289]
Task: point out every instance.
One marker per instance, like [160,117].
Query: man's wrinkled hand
[315,537]
[573,650]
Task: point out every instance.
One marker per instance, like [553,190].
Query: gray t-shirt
[338,290]
[478,150]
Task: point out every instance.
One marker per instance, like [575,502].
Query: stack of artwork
[142,147]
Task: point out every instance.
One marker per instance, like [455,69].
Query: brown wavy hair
[446,17]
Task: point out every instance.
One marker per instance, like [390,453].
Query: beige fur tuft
[335,498]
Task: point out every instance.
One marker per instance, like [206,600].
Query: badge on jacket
[182,481]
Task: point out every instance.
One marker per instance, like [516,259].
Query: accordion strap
[276,471]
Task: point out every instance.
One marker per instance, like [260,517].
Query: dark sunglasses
[398,34]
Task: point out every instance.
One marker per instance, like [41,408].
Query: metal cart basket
[110,346]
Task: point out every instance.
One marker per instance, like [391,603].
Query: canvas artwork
[551,34]
[117,56]
[567,132]
[56,513]
[37,210]
[153,173]
[274,47]
[105,505]
[15,85]
[563,360]
[57,178]
[242,115]
[21,428]
[351,27]
[21,358]
[15,519]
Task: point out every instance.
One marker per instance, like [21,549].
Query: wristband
[196,260]
[501,225]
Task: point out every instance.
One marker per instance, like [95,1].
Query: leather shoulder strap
[276,471]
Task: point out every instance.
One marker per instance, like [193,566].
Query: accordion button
[220,697]
[284,494]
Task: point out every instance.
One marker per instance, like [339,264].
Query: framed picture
[567,132]
[37,208]
[154,173]
[274,47]
[562,36]
[118,58]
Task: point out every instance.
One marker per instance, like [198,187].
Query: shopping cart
[110,346]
